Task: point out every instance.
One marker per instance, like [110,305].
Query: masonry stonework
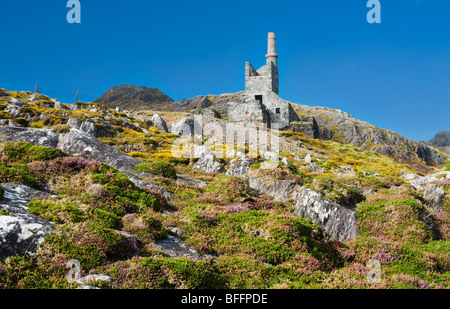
[262,102]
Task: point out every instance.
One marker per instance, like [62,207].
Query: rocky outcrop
[159,123]
[420,182]
[337,220]
[208,164]
[187,126]
[176,248]
[434,195]
[20,231]
[441,141]
[342,127]
[87,146]
[238,167]
[149,185]
[40,137]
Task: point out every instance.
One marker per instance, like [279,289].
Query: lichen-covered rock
[176,248]
[20,231]
[13,110]
[239,167]
[337,220]
[208,164]
[191,182]
[186,127]
[434,194]
[420,182]
[39,137]
[74,123]
[89,127]
[87,146]
[159,123]
[200,151]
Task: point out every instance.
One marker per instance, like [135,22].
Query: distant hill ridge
[132,97]
[442,141]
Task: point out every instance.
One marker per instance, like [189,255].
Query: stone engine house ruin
[262,102]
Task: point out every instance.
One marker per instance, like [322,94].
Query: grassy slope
[257,244]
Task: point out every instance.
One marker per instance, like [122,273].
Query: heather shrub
[66,165]
[26,153]
[159,168]
[93,245]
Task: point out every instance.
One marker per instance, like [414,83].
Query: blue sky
[395,75]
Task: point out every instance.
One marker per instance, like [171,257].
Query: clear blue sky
[395,75]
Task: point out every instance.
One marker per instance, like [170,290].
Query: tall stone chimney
[271,49]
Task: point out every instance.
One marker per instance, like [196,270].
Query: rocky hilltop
[104,187]
[129,96]
[442,141]
[333,125]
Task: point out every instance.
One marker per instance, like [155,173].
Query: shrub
[21,121]
[61,128]
[37,125]
[108,219]
[18,173]
[5,115]
[159,168]
[66,165]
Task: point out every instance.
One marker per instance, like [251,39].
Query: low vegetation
[248,240]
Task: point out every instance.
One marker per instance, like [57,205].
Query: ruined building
[262,102]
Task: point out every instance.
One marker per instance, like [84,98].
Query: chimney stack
[271,49]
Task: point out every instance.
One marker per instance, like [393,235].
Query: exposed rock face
[14,108]
[126,97]
[88,126]
[211,112]
[442,141]
[200,151]
[218,102]
[420,182]
[159,123]
[341,126]
[176,248]
[434,194]
[40,137]
[80,143]
[208,164]
[337,220]
[186,127]
[239,167]
[20,231]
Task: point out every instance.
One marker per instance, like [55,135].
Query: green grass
[26,153]
[159,168]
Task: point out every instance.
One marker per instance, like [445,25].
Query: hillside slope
[128,96]
[89,183]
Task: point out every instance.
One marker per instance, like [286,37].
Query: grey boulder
[159,123]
